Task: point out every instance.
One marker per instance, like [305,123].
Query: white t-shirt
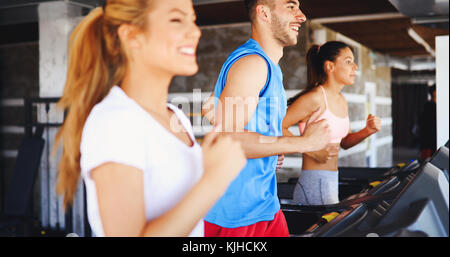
[119,130]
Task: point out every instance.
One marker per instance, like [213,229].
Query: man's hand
[208,109]
[317,132]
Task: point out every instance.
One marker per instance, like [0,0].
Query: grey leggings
[317,187]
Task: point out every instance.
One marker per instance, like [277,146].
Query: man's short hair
[250,5]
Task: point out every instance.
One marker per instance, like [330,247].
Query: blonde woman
[145,174]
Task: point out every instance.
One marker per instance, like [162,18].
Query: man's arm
[258,146]
[237,104]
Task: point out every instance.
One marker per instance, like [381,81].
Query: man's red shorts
[275,228]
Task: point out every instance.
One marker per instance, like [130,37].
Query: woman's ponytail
[86,84]
[313,72]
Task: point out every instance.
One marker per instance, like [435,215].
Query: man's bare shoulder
[251,63]
[247,75]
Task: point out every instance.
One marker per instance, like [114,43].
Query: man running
[250,104]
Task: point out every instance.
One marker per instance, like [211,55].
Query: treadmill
[409,201]
[420,209]
[304,220]
[440,159]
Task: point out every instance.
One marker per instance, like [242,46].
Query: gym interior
[386,188]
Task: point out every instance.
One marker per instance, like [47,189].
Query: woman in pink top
[330,67]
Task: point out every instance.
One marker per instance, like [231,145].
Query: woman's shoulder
[313,96]
[112,113]
[108,119]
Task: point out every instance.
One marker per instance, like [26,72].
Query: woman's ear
[329,66]
[128,36]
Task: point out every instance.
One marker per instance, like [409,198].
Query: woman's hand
[323,156]
[373,124]
[280,162]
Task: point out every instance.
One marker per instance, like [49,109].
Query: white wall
[56,21]
[442,91]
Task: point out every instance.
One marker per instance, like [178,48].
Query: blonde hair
[97,61]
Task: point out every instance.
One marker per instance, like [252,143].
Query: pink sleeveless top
[339,126]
